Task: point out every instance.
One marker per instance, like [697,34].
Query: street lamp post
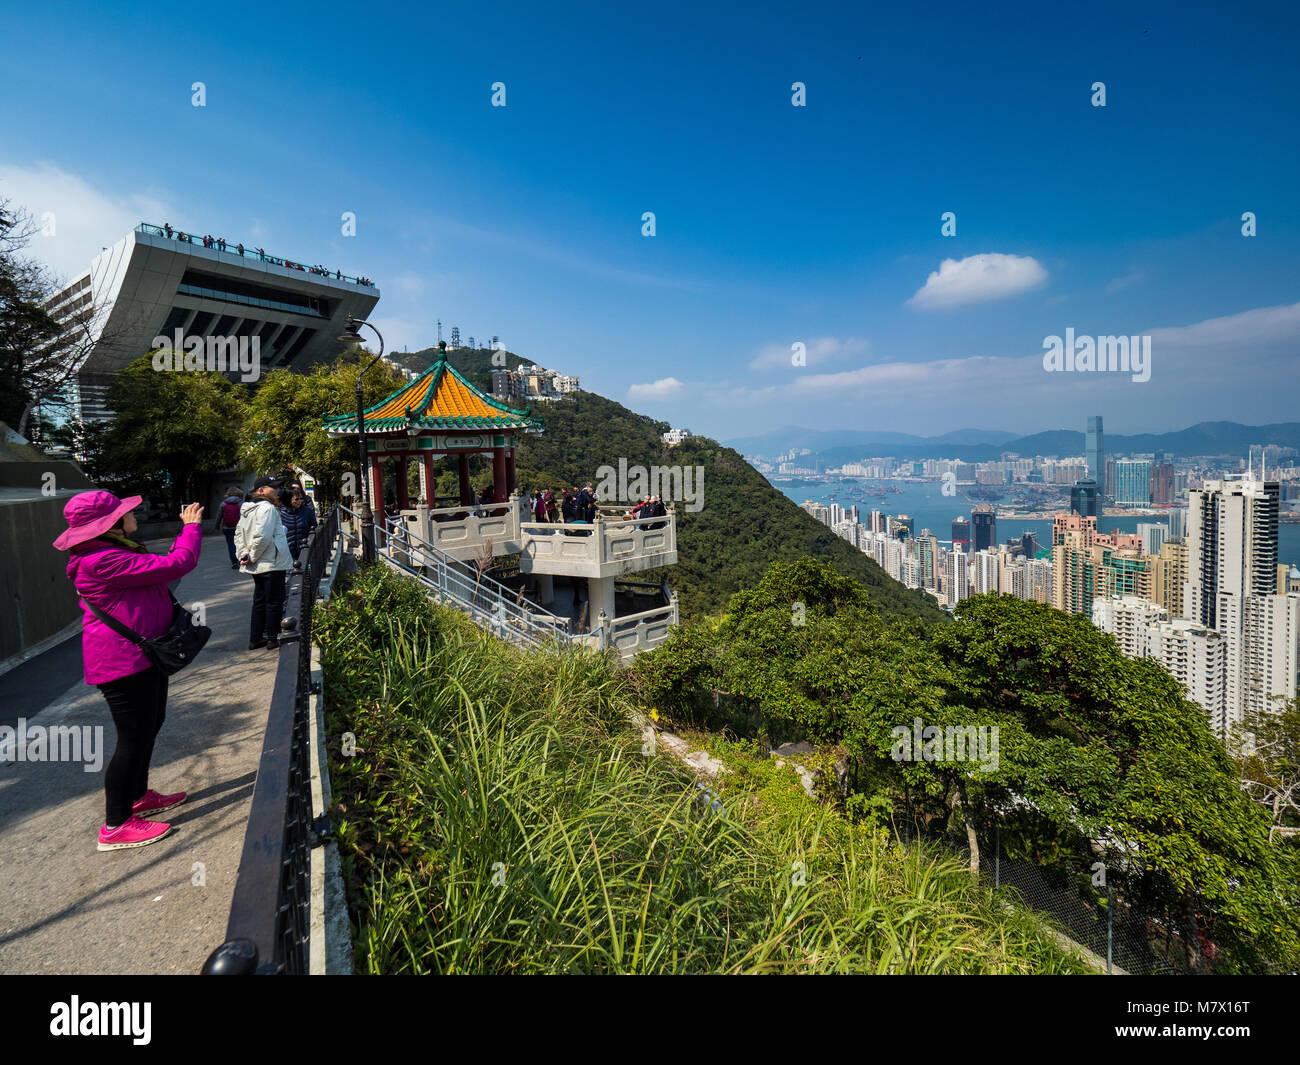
[352,337]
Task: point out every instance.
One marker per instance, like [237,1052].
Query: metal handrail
[485,597]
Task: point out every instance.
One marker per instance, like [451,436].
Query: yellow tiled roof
[440,398]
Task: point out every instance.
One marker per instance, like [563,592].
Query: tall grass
[499,816]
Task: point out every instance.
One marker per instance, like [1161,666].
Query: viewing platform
[609,547]
[612,546]
[243,251]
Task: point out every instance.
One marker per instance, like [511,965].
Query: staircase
[485,601]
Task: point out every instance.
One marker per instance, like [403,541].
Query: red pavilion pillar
[510,472]
[377,498]
[498,475]
[428,480]
[376,484]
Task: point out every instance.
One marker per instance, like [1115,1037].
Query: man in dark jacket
[587,503]
[299,517]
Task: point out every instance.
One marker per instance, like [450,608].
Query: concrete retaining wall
[38,599]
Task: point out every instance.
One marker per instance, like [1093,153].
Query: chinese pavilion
[439,414]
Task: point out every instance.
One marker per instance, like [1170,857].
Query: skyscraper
[984,526]
[1083,499]
[1231,544]
[1178,523]
[987,565]
[1168,577]
[928,553]
[1162,482]
[957,586]
[961,534]
[1195,656]
[1073,574]
[1153,535]
[1232,587]
[1095,451]
[1132,481]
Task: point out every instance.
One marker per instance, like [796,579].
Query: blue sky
[775,224]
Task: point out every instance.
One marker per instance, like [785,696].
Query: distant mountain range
[983,445]
[792,436]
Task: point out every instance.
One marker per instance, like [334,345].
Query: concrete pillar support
[602,598]
[545,589]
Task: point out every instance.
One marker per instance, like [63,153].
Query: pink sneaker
[133,833]
[153,803]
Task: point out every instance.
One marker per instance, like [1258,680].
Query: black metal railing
[270,920]
[243,252]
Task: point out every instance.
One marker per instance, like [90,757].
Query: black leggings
[138,704]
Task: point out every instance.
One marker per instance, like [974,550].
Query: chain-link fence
[1083,905]
[1088,908]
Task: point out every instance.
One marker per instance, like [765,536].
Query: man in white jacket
[263,552]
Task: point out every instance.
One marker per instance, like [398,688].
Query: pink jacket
[132,587]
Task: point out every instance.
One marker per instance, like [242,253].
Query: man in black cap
[263,552]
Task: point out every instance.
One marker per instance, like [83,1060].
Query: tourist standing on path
[228,518]
[263,552]
[299,517]
[129,584]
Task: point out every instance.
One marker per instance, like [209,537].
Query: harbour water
[931,509]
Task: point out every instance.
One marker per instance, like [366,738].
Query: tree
[1096,754]
[284,427]
[185,423]
[1111,755]
[1268,745]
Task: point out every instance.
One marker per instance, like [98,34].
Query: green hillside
[744,526]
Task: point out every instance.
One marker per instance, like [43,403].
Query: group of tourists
[219,243]
[127,604]
[578,507]
[271,527]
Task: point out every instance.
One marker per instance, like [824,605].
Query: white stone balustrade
[602,549]
[462,531]
[634,633]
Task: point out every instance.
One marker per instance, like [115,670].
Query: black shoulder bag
[171,652]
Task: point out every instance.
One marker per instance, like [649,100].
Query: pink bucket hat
[91,514]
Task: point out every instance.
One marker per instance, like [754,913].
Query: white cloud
[1190,355]
[818,350]
[86,220]
[1133,277]
[1260,326]
[661,389]
[978,279]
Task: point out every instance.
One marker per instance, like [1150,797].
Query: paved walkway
[68,908]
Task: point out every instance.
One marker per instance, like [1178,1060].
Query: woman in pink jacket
[130,585]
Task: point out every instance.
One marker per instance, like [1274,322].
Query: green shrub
[500,816]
